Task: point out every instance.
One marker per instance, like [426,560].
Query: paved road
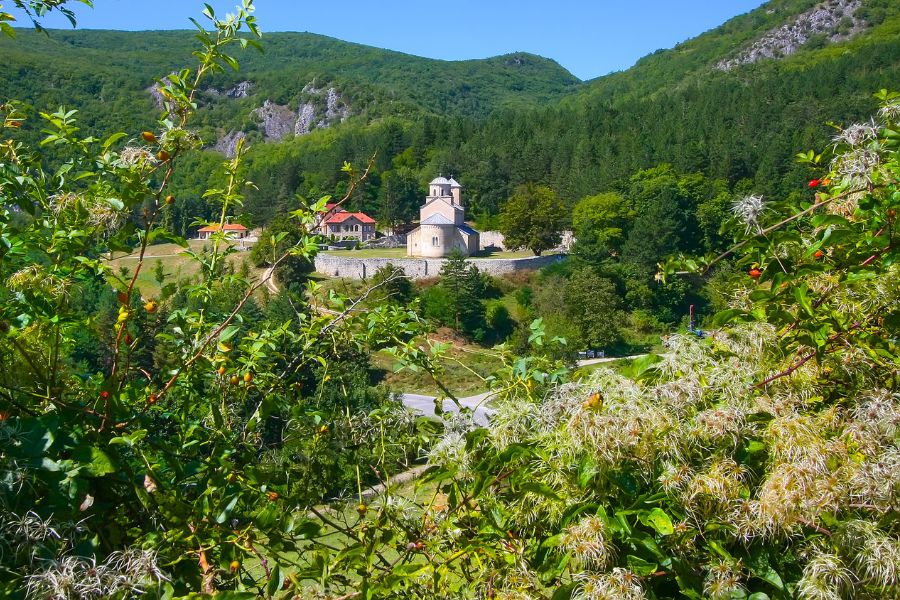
[596,361]
[269,278]
[424,405]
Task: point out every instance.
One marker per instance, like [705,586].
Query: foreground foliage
[762,462]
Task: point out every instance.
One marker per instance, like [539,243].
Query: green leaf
[436,473]
[640,566]
[275,580]
[727,316]
[564,592]
[229,332]
[94,461]
[803,300]
[658,520]
[223,514]
[759,566]
[541,489]
[642,365]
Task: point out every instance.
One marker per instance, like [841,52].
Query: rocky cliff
[833,21]
[319,108]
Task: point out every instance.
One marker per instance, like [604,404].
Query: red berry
[104,394]
[755,273]
[819,254]
[814,183]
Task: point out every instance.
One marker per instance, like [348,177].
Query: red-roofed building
[232,230]
[341,224]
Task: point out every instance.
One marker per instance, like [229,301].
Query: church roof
[454,183]
[439,181]
[466,229]
[437,219]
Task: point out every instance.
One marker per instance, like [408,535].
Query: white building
[442,223]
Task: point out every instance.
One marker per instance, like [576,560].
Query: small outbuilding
[234,231]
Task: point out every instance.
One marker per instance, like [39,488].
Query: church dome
[439,181]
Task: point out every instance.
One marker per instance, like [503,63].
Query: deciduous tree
[534,217]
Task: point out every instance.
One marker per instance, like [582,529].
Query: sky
[590,38]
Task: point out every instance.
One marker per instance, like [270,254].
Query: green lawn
[401,253]
[465,369]
[371,253]
[176,265]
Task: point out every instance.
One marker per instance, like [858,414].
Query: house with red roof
[234,231]
[340,224]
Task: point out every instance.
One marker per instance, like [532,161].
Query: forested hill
[736,104]
[110,71]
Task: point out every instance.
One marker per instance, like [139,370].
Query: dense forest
[497,123]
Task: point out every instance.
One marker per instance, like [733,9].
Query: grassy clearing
[370,253]
[176,265]
[401,253]
[465,366]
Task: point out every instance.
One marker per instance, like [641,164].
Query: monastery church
[442,223]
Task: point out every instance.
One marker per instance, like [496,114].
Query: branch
[772,228]
[786,372]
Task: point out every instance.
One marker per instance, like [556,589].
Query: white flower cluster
[72,577]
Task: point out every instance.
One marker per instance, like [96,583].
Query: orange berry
[594,401]
[235,380]
[220,371]
[248,377]
[151,306]
[149,137]
[170,199]
[163,156]
[362,509]
[151,399]
[272,496]
[234,566]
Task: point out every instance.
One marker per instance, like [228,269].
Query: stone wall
[494,239]
[334,265]
[491,239]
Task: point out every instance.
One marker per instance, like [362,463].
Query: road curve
[424,405]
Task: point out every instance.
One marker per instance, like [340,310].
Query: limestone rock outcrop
[834,19]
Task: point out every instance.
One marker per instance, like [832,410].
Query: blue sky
[589,38]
